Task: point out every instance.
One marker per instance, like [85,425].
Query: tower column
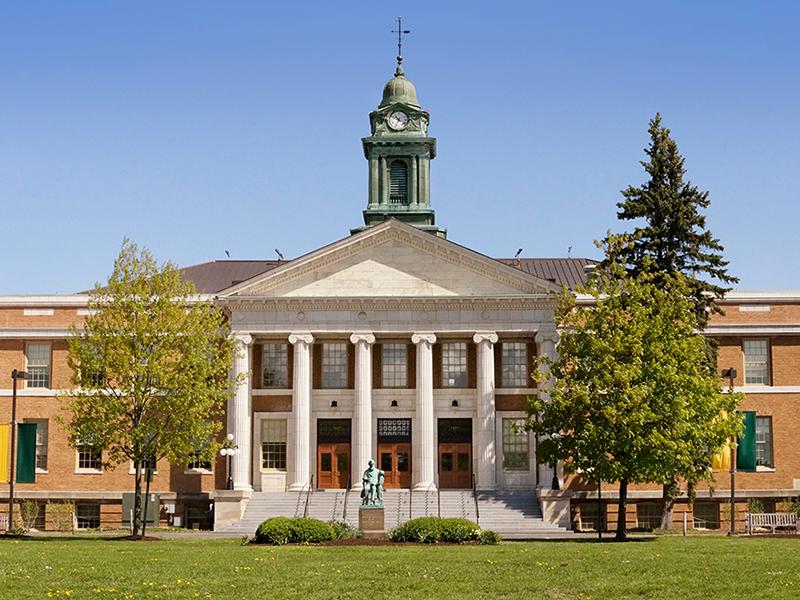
[362,414]
[301,410]
[424,172]
[424,452]
[241,419]
[373,181]
[384,181]
[487,443]
[414,181]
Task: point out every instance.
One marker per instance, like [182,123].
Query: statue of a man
[371,481]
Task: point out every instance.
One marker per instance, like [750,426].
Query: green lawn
[671,567]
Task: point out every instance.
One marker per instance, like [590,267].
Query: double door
[333,464]
[455,465]
[394,459]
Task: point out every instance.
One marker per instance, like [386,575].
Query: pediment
[392,260]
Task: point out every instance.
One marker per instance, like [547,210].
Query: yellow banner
[5,449]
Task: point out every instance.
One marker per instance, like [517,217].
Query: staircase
[514,514]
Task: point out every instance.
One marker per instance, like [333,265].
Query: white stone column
[241,413]
[362,413]
[414,183]
[487,443]
[301,410]
[424,454]
[546,346]
[373,182]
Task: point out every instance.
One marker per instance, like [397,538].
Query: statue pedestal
[370,522]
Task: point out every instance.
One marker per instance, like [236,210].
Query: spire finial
[400,33]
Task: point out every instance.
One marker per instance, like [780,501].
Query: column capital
[243,338]
[363,336]
[429,337]
[547,336]
[304,336]
[485,336]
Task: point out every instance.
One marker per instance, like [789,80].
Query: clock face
[398,120]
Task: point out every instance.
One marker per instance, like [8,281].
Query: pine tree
[673,238]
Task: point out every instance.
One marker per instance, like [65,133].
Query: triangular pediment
[392,260]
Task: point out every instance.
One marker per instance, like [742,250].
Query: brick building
[397,344]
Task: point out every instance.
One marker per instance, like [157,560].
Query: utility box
[153,508]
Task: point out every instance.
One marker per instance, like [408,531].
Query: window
[706,515]
[398,182]
[591,516]
[88,516]
[273,444]
[38,359]
[648,515]
[515,445]
[514,361]
[88,458]
[334,365]
[198,463]
[275,365]
[394,359]
[454,364]
[756,362]
[764,442]
[41,444]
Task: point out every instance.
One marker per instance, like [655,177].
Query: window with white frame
[515,445]
[394,369]
[273,444]
[198,463]
[706,515]
[454,364]
[275,365]
[37,357]
[334,365]
[41,443]
[756,362]
[514,361]
[87,516]
[88,458]
[592,516]
[648,515]
[764,442]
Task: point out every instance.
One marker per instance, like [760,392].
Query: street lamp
[731,375]
[229,449]
[15,375]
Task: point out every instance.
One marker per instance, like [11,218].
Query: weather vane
[400,32]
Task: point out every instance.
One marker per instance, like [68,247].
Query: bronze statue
[372,486]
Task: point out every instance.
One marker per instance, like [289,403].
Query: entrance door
[333,464]
[333,453]
[395,461]
[455,453]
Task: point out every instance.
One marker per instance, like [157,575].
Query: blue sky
[199,127]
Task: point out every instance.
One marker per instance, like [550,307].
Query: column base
[242,487]
[426,486]
[297,487]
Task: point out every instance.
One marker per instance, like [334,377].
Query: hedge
[429,530]
[301,530]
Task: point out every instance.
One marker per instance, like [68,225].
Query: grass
[670,567]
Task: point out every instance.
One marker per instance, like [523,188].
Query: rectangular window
[334,365]
[394,361]
[275,365]
[514,361]
[37,357]
[88,458]
[592,517]
[764,442]
[706,515]
[273,444]
[198,463]
[454,364]
[41,444]
[88,516]
[756,362]
[648,515]
[515,445]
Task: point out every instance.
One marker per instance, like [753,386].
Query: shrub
[488,537]
[344,531]
[429,530]
[302,530]
[62,515]
[754,506]
[25,519]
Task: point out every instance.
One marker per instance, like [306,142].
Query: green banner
[746,448]
[26,453]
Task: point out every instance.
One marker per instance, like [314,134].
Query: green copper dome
[399,89]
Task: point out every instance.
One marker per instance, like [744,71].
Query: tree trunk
[623,499]
[670,492]
[137,499]
[147,494]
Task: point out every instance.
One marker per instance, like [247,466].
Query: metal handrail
[410,502]
[475,497]
[308,494]
[346,495]
[438,502]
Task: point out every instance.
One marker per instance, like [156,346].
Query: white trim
[272,391]
[45,300]
[759,329]
[38,312]
[754,308]
[514,391]
[34,333]
[767,389]
[760,296]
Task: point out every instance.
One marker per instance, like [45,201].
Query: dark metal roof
[216,275]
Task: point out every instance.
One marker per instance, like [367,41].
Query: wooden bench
[771,521]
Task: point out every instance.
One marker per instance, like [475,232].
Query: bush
[488,537]
[62,515]
[302,530]
[344,531]
[429,530]
[754,506]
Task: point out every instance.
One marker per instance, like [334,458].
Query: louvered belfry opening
[398,182]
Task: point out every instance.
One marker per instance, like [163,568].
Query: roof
[216,275]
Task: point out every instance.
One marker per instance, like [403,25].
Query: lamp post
[229,449]
[731,375]
[15,375]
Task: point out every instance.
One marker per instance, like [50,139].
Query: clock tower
[399,153]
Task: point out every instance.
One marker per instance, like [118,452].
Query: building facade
[393,344]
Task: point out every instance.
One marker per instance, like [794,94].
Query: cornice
[268,303]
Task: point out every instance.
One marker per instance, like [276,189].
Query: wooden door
[394,458]
[455,465]
[333,465]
